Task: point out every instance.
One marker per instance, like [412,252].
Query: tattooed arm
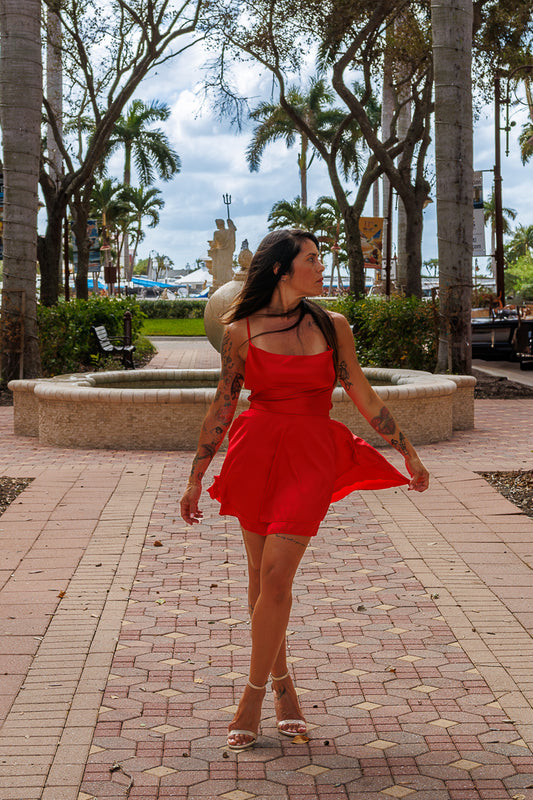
[372,407]
[216,422]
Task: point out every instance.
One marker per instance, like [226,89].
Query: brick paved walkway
[124,636]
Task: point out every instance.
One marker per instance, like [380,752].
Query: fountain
[163,409]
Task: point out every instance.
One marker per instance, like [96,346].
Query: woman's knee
[276,582]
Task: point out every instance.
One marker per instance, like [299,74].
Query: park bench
[107,346]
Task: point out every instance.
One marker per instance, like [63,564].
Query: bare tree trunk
[387,112]
[302,166]
[50,245]
[354,251]
[20,116]
[452,54]
[404,121]
[79,208]
[54,93]
[128,268]
[50,255]
[413,250]
[375,199]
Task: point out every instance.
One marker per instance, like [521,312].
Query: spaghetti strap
[248,327]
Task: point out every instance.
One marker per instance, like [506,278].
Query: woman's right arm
[216,423]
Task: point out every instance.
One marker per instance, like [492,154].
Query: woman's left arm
[372,407]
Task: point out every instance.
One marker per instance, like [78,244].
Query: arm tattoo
[208,450]
[216,425]
[236,386]
[194,471]
[400,444]
[226,354]
[344,375]
[384,423]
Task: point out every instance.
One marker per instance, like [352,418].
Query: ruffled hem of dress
[359,485]
[362,467]
[288,527]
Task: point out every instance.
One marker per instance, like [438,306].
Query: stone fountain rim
[89,386]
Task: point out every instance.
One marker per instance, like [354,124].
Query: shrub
[66,341]
[519,279]
[400,332]
[172,309]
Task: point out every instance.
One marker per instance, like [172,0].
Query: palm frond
[525,141]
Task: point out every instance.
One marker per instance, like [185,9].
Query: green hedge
[400,332]
[66,341]
[172,309]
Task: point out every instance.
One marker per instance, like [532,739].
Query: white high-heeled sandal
[237,748]
[282,722]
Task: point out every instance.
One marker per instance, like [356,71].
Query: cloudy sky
[214,163]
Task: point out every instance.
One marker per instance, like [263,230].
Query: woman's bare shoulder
[236,335]
[342,326]
[237,330]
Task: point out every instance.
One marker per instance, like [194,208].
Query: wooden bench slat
[106,346]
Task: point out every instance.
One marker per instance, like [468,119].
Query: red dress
[286,459]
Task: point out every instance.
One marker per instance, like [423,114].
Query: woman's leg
[280,559]
[254,544]
[273,561]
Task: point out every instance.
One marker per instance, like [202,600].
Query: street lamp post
[498,210]
[498,204]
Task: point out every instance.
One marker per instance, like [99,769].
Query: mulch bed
[10,488]
[491,387]
[516,486]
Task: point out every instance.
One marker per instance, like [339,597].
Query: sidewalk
[124,636]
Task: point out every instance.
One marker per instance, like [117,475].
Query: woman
[287,460]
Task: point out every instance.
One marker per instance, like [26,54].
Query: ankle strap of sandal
[253,686]
[282,678]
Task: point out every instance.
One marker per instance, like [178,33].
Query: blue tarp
[148,283]
[101,284]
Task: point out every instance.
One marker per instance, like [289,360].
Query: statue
[220,253]
[220,301]
[244,258]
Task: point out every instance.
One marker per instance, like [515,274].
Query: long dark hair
[279,248]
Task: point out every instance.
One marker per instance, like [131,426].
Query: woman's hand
[419,474]
[189,503]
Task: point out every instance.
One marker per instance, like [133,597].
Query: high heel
[282,722]
[237,748]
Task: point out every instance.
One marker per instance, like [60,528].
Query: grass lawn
[173,327]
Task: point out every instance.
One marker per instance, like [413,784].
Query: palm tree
[108,205]
[315,108]
[489,215]
[20,118]
[451,23]
[285,214]
[143,203]
[521,243]
[107,202]
[148,148]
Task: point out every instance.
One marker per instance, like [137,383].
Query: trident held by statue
[227,201]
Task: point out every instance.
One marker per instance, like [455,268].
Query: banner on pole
[478,240]
[371,231]
[94,252]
